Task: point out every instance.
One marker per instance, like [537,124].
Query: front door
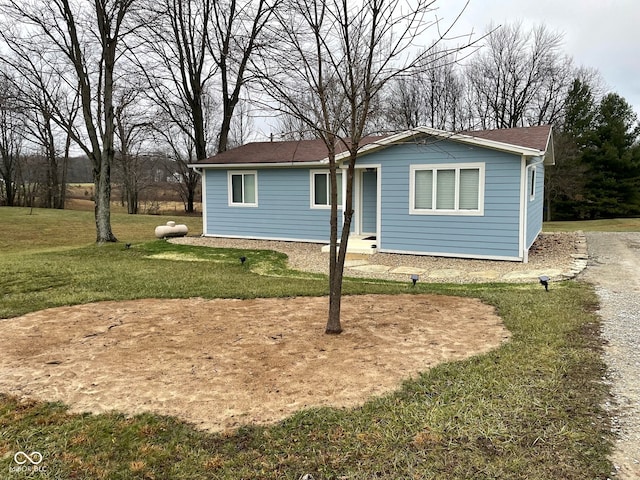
[368,202]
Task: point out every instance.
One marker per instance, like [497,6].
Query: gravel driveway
[614,268]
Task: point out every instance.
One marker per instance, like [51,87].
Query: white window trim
[312,189]
[230,173]
[532,184]
[447,166]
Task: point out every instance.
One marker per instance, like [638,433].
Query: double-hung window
[321,189]
[447,189]
[243,188]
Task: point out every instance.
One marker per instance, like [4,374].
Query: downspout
[528,168]
[203,188]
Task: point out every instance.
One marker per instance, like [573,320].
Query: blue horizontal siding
[283,210]
[535,207]
[494,234]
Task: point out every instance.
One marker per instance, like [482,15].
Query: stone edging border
[579,259]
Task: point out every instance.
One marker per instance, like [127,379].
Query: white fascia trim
[452,255]
[550,154]
[229,166]
[274,239]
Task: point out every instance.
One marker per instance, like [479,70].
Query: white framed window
[447,189]
[532,184]
[243,188]
[321,188]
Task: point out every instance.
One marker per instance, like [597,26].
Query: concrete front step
[357,246]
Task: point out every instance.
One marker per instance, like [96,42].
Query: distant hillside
[79,170]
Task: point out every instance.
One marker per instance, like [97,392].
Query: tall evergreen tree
[579,112]
[565,182]
[613,161]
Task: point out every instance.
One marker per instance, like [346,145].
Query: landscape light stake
[544,281]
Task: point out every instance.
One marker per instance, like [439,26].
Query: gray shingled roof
[528,137]
[278,152]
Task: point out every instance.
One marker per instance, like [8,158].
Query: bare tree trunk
[63,177]
[338,256]
[335,280]
[235,39]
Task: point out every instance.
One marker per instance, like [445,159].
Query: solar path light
[544,281]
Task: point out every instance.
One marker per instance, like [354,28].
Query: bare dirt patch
[223,363]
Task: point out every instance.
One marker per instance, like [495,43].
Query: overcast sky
[601,34]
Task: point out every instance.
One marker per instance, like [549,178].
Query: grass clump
[603,225]
[532,409]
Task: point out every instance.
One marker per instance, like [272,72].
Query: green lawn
[611,225]
[27,229]
[529,410]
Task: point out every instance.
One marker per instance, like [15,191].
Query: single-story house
[477,194]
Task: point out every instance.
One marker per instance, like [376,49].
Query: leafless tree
[433,97]
[338,58]
[180,153]
[291,127]
[191,48]
[242,125]
[132,129]
[11,137]
[81,43]
[40,91]
[40,96]
[238,34]
[172,55]
[520,77]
